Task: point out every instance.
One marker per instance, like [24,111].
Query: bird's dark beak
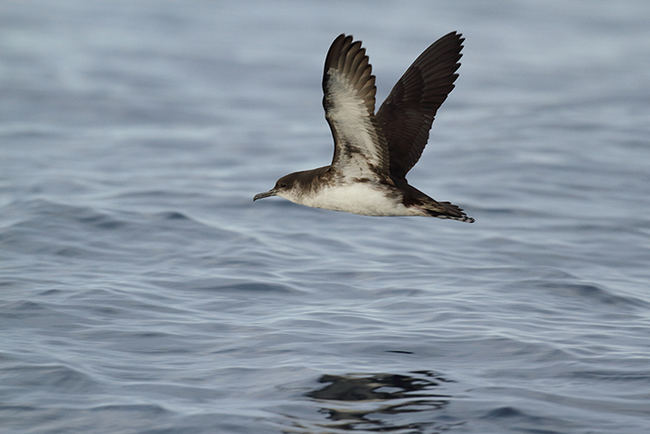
[263,195]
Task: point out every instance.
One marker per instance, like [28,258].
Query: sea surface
[142,291]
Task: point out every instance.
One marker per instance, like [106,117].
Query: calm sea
[142,291]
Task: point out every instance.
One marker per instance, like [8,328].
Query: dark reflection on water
[383,402]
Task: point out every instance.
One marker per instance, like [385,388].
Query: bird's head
[283,188]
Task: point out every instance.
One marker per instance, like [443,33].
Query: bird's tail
[445,210]
[430,207]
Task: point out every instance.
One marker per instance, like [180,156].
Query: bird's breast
[365,198]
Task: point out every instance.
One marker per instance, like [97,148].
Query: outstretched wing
[406,116]
[349,102]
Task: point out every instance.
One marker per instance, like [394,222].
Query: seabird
[373,152]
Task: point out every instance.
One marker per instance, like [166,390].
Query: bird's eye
[283,185]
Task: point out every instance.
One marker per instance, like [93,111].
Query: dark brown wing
[408,112]
[349,103]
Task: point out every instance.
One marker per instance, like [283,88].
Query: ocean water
[142,291]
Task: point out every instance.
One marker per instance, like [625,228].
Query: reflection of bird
[376,386]
[374,152]
[365,401]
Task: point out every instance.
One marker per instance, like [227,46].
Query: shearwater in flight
[374,151]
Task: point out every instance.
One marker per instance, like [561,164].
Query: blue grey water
[142,291]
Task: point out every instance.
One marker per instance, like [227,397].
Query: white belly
[359,198]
